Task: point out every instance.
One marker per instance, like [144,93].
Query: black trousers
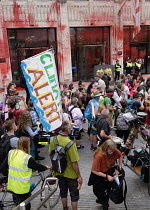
[23,197]
[123,134]
[117,75]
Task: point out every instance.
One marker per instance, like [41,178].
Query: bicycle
[54,199]
[8,199]
[136,122]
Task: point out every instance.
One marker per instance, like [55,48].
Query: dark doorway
[87,57]
[139,50]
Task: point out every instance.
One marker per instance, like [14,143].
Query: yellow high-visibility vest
[18,173]
[118,68]
[138,64]
[128,64]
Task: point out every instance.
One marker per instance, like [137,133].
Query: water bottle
[32,185]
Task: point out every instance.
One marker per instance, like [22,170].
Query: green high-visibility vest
[118,68]
[18,173]
[128,64]
[138,64]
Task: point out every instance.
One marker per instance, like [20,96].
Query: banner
[42,82]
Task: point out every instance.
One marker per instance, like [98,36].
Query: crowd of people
[101,106]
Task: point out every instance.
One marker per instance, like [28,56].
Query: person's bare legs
[64,202]
[78,142]
[74,205]
[94,141]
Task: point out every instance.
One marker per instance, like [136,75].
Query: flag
[41,78]
[135,10]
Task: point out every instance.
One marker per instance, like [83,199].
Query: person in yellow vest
[117,70]
[20,164]
[138,67]
[128,67]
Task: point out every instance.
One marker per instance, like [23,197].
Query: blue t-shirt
[136,104]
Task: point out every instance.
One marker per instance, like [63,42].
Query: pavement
[137,192]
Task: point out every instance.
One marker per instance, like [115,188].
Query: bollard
[22,206]
[46,194]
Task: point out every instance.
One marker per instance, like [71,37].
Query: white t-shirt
[102,85]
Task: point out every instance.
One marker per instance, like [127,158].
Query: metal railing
[45,200]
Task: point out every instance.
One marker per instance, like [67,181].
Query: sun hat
[95,94]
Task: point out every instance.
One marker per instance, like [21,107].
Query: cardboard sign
[101,69]
[42,82]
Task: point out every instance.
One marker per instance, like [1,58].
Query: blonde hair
[23,145]
[108,144]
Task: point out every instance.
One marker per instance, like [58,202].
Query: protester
[106,78]
[125,90]
[2,131]
[33,114]
[101,83]
[18,167]
[25,129]
[93,130]
[77,117]
[108,104]
[137,103]
[103,170]
[122,127]
[71,177]
[102,127]
[148,108]
[16,112]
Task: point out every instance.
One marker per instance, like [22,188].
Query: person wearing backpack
[106,79]
[120,123]
[9,140]
[103,170]
[77,118]
[70,178]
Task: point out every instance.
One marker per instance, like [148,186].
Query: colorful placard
[42,82]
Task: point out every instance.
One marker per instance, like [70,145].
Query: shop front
[24,43]
[89,46]
[137,48]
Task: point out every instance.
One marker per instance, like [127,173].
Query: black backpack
[118,192]
[5,146]
[58,156]
[105,79]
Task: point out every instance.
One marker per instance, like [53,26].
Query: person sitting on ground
[18,166]
[77,117]
[25,129]
[102,127]
[71,177]
[103,170]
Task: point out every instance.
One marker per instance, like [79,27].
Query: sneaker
[91,147]
[80,147]
[94,148]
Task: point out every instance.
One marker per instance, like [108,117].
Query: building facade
[82,34]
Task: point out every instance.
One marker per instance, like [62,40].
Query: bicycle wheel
[8,200]
[54,199]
